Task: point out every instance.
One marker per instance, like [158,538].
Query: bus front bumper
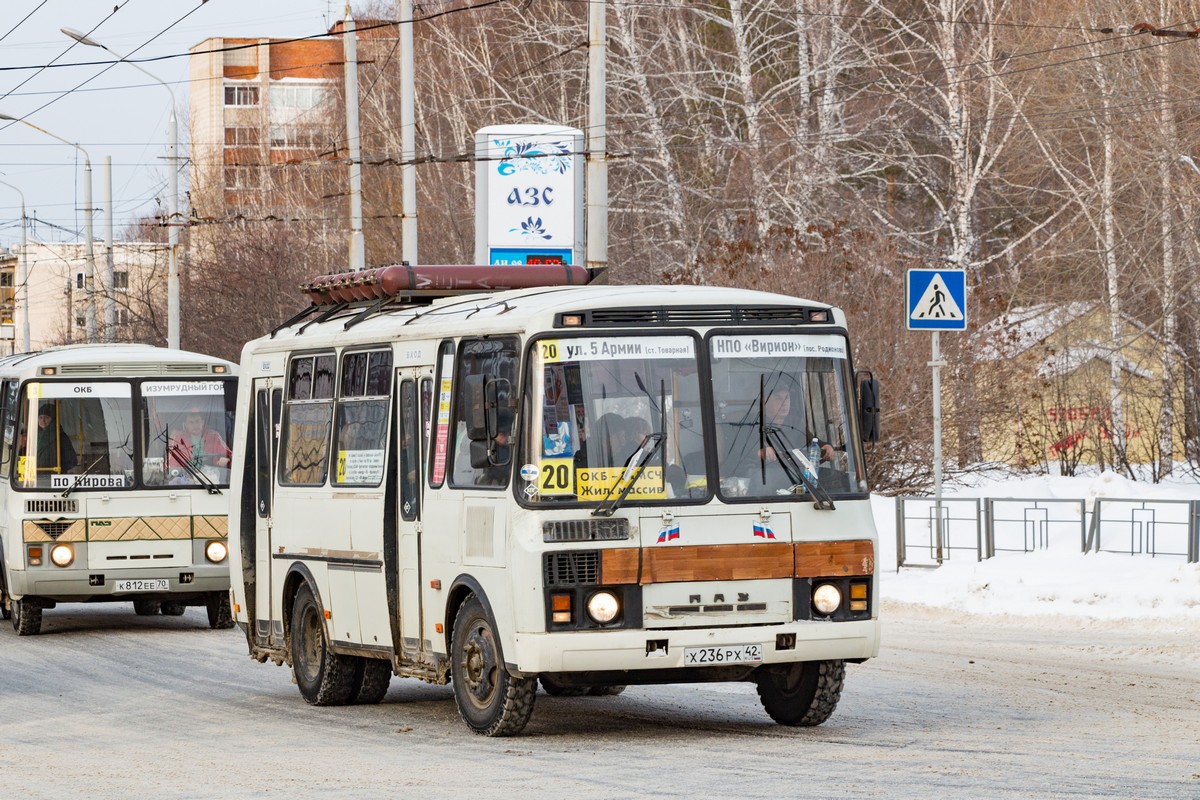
[71,585]
[659,650]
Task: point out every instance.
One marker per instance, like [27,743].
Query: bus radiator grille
[572,568]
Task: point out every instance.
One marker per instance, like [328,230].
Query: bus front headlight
[62,555]
[826,598]
[603,607]
[216,551]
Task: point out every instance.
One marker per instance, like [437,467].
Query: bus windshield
[76,435]
[79,435]
[783,415]
[185,441]
[614,412]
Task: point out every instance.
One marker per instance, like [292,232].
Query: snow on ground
[1057,580]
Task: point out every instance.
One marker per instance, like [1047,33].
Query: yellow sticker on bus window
[551,351]
[595,484]
[556,476]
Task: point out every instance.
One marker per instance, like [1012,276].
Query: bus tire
[606,691]
[324,677]
[375,674]
[26,617]
[801,694]
[556,689]
[490,700]
[220,616]
[170,609]
[145,608]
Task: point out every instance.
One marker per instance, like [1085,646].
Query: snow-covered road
[107,704]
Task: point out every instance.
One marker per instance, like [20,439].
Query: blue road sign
[937,300]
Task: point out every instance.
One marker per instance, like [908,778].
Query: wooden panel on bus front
[733,562]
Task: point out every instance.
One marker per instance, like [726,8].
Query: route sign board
[937,300]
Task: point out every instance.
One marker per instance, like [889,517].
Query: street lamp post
[23,285]
[173,190]
[89,272]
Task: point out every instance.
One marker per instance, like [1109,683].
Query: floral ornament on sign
[532,227]
[541,158]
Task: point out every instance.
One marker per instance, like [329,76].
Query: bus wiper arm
[789,459]
[86,471]
[185,461]
[634,465]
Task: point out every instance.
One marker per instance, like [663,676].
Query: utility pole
[358,248]
[110,302]
[408,136]
[597,144]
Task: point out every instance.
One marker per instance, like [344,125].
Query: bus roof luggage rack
[370,290]
[428,282]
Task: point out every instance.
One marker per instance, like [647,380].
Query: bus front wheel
[324,677]
[801,694]
[145,608]
[220,616]
[490,700]
[26,617]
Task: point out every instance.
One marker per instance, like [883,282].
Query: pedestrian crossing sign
[937,300]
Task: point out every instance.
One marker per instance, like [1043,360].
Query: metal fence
[929,531]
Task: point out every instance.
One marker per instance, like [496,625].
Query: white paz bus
[115,472]
[502,476]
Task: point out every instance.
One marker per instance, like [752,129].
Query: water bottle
[814,456]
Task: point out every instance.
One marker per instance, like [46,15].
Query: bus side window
[308,417]
[410,452]
[8,420]
[494,360]
[264,426]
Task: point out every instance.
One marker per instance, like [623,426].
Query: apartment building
[58,302]
[257,105]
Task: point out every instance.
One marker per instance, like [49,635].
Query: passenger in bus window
[55,450]
[198,444]
[742,460]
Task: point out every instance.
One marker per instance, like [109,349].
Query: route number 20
[557,476]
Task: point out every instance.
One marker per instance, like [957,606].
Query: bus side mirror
[480,413]
[868,407]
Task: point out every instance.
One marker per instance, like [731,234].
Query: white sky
[1060,579]
[121,113]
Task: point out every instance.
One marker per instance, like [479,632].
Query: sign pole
[937,301]
[936,363]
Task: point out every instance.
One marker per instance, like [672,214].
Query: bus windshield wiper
[800,471]
[185,461]
[86,471]
[639,458]
[634,466]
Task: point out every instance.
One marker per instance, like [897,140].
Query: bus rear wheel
[220,616]
[490,700]
[802,694]
[324,677]
[556,689]
[372,684]
[170,609]
[26,617]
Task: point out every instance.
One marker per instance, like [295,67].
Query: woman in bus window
[198,444]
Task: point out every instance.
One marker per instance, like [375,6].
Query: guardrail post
[900,538]
[1194,533]
[1083,525]
[1093,537]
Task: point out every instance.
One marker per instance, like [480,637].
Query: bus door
[415,402]
[268,405]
